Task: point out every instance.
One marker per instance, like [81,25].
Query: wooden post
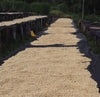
[36,25]
[14,32]
[21,28]
[0,43]
[44,20]
[33,26]
[28,29]
[41,22]
[7,35]
[96,41]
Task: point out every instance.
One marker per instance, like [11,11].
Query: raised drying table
[10,30]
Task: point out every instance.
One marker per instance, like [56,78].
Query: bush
[62,7]
[40,8]
[92,18]
[56,13]
[10,5]
[21,6]
[6,5]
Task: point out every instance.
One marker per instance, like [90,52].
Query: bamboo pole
[83,9]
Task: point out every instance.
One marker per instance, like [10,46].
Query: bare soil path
[51,66]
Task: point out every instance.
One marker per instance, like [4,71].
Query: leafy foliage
[57,13]
[6,4]
[46,6]
[40,8]
[92,18]
[21,6]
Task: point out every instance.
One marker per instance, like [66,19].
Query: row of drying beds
[21,28]
[91,29]
[8,16]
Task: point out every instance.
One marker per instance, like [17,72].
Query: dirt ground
[51,66]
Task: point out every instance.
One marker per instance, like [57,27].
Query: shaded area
[34,46]
[53,45]
[94,67]
[23,47]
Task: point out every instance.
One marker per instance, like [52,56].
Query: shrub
[40,8]
[6,5]
[93,18]
[21,6]
[56,13]
[10,5]
[62,7]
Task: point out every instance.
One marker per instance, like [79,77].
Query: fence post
[7,35]
[0,42]
[14,32]
[41,22]
[29,29]
[21,28]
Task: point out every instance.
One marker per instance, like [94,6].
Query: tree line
[45,6]
[91,6]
